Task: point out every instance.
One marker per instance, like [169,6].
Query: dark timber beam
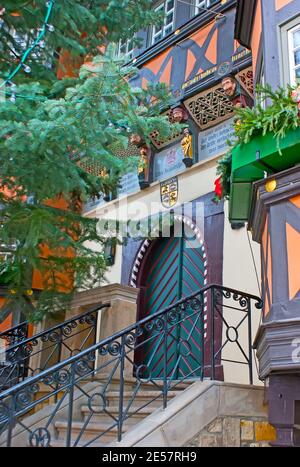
[244,21]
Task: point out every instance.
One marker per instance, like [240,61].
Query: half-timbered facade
[192,57]
[271,29]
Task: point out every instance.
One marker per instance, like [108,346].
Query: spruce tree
[47,125]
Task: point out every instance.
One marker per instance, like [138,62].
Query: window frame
[292,66]
[286,57]
[164,26]
[197,9]
[129,54]
[261,80]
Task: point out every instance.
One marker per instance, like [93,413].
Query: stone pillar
[121,314]
[275,224]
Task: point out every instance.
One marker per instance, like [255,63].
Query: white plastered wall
[239,273]
[238,266]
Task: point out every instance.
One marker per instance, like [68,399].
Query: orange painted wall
[199,38]
[267,260]
[37,280]
[256,34]
[281,4]
[155,64]
[68,65]
[293,252]
[6,323]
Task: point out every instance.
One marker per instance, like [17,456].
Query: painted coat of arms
[169,192]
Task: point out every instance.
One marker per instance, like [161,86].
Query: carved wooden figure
[187,147]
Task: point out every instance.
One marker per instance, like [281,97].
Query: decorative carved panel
[245,78]
[95,168]
[159,142]
[91,166]
[130,151]
[210,107]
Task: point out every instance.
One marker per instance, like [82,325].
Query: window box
[250,162]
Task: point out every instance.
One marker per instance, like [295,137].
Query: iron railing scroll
[15,334]
[30,356]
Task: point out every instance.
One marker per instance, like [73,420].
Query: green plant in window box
[278,118]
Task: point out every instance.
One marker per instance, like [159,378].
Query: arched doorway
[171,269]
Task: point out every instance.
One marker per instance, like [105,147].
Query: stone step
[133,415]
[60,443]
[114,385]
[153,398]
[147,399]
[91,431]
[174,386]
[131,382]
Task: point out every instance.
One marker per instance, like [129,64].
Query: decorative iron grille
[25,357]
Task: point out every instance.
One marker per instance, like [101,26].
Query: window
[289,41]
[126,49]
[201,5]
[168,8]
[294,54]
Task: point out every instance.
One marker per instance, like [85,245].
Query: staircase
[98,431]
[107,390]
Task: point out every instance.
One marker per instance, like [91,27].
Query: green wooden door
[177,270]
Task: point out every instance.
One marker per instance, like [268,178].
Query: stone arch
[136,268]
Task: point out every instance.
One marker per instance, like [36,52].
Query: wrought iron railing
[32,355]
[104,389]
[15,334]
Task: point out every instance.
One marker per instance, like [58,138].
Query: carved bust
[136,140]
[178,115]
[234,92]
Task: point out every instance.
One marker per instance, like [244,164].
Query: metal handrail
[108,358]
[59,326]
[17,356]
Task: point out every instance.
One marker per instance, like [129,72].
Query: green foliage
[224,171]
[51,126]
[278,116]
[8,271]
[81,26]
